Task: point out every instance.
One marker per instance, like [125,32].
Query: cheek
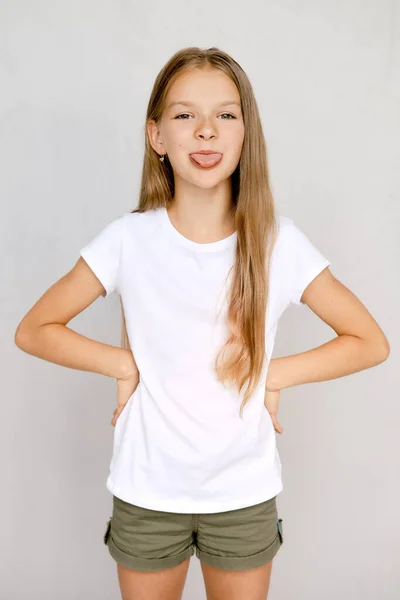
[237,149]
[237,141]
[179,149]
[179,143]
[174,137]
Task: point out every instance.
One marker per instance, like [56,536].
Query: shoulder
[295,246]
[285,226]
[113,232]
[141,219]
[286,232]
[290,235]
[142,229]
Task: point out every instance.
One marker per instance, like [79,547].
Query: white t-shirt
[179,443]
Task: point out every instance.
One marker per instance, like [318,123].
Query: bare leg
[252,584]
[167,584]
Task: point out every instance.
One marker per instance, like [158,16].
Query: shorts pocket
[107,532]
[279,526]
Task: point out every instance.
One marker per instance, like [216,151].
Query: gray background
[75,81]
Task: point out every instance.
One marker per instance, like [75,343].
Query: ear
[155,137]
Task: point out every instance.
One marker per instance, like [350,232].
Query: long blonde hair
[241,358]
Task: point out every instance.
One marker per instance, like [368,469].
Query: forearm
[58,344]
[344,355]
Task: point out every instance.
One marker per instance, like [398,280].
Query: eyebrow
[185,103]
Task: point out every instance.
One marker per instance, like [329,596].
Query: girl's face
[202,112]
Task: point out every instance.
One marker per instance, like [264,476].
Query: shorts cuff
[147,564]
[241,563]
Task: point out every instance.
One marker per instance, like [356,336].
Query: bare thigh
[167,584]
[252,584]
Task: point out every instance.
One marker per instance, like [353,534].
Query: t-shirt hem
[186,506]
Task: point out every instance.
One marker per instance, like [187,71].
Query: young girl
[204,268]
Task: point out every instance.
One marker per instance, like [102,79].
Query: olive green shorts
[151,540]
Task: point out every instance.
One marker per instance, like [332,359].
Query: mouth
[205,161]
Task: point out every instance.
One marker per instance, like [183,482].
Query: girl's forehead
[192,76]
[194,87]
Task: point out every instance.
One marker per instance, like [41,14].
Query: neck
[203,215]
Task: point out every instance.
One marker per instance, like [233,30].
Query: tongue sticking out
[206,160]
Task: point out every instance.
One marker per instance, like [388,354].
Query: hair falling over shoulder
[241,358]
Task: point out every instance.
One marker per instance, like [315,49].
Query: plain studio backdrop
[75,81]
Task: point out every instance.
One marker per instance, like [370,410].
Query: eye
[187,115]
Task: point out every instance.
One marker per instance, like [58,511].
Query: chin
[201,179]
[207,183]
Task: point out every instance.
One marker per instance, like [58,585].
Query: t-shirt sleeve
[103,255]
[305,261]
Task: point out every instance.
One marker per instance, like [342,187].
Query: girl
[204,268]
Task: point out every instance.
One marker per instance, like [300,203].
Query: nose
[206,130]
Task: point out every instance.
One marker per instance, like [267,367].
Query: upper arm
[95,273]
[310,282]
[301,260]
[340,308]
[65,299]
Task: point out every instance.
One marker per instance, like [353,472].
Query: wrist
[274,383]
[128,366]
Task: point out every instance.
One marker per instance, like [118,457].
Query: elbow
[381,350]
[17,336]
[375,350]
[22,337]
[385,352]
